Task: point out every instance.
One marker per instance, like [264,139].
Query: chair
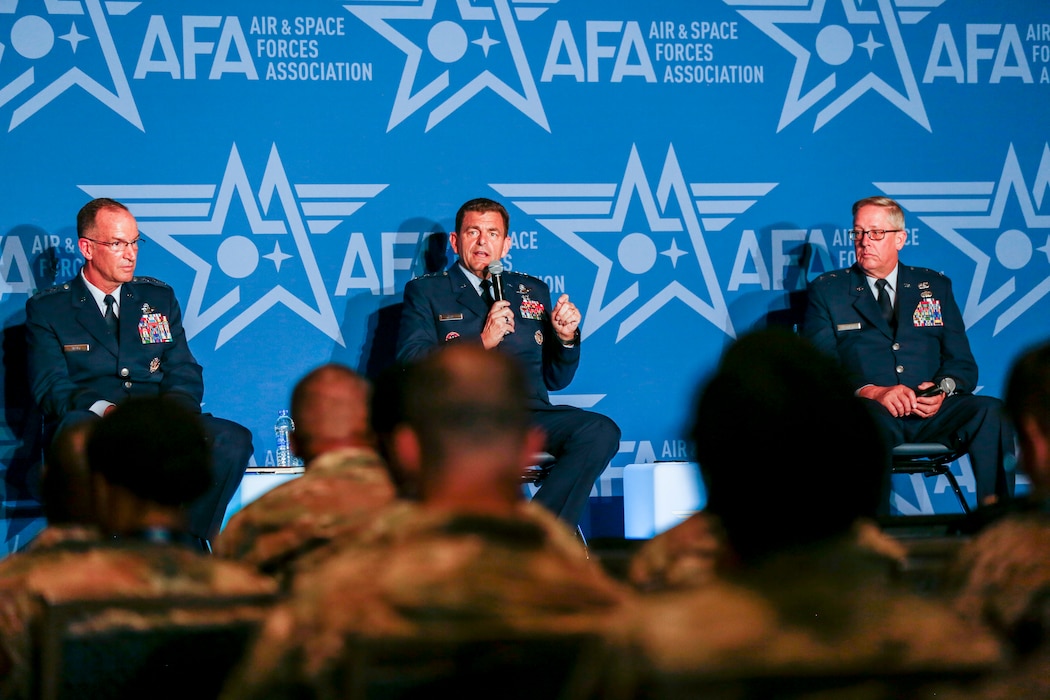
[476,666]
[178,647]
[535,474]
[929,459]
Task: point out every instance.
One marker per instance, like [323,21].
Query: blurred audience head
[330,407]
[387,414]
[151,449]
[66,477]
[1028,404]
[466,417]
[788,454]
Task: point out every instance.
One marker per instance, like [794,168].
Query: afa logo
[68,45]
[454,52]
[250,247]
[1003,225]
[855,51]
[648,243]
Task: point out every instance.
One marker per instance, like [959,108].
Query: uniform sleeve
[52,388]
[183,377]
[559,362]
[957,359]
[418,334]
[817,326]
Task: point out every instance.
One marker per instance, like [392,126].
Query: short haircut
[463,397]
[788,454]
[330,402]
[886,203]
[88,212]
[481,204]
[153,447]
[1028,387]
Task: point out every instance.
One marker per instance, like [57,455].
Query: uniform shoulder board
[439,273]
[52,290]
[828,276]
[527,276]
[150,280]
[925,271]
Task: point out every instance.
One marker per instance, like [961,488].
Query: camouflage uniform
[419,573]
[827,610]
[56,535]
[1002,578]
[694,553]
[685,556]
[82,570]
[340,491]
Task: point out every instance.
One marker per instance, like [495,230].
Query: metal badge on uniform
[450,317]
[451,336]
[522,289]
[530,309]
[927,294]
[927,314]
[154,365]
[847,327]
[76,347]
[924,285]
[153,328]
[539,337]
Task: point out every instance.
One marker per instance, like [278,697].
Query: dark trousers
[582,443]
[965,421]
[231,449]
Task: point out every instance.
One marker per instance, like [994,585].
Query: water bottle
[283,430]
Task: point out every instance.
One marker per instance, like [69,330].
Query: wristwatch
[574,342]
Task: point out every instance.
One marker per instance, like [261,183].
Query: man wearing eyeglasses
[107,336]
[899,333]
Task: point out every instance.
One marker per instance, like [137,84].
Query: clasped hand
[901,400]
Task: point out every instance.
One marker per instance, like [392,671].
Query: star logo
[1005,234]
[451,58]
[843,53]
[43,56]
[634,264]
[186,220]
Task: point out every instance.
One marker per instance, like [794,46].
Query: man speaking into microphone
[475,301]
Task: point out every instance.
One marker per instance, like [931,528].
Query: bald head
[330,410]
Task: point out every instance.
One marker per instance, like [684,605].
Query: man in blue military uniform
[899,334]
[107,336]
[451,306]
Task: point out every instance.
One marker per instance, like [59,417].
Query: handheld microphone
[946,386]
[496,272]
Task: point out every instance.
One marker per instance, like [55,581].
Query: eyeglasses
[875,234]
[116,247]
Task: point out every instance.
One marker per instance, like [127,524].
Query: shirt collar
[891,280]
[100,297]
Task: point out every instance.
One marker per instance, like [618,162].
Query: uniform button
[124,372]
[896,346]
[127,385]
[900,369]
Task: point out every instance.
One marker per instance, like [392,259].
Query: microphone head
[948,385]
[496,268]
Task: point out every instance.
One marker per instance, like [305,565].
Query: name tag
[450,317]
[79,347]
[848,327]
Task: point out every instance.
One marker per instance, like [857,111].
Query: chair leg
[958,492]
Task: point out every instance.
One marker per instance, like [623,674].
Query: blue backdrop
[680,169]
